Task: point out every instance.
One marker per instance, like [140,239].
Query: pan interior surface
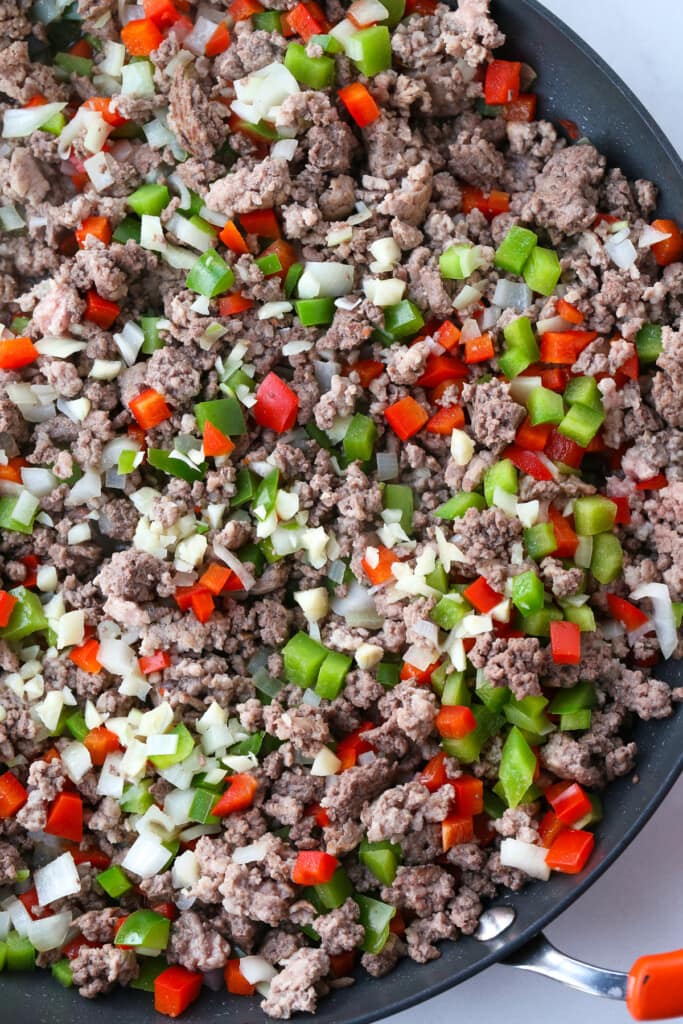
[574,84]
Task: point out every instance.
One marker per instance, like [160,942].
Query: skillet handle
[654,989]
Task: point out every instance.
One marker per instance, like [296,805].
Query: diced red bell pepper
[562,449]
[521,109]
[566,538]
[565,643]
[97,858]
[149,408]
[102,105]
[12,795]
[276,405]
[219,41]
[231,305]
[100,742]
[100,311]
[94,227]
[570,851]
[65,818]
[568,312]
[671,249]
[564,347]
[433,775]
[397,925]
[352,746]
[215,442]
[30,563]
[261,222]
[446,420]
[441,368]
[285,252]
[231,236]
[11,470]
[381,572]
[406,417]
[156,662]
[16,353]
[455,721]
[628,614]
[469,795]
[473,199]
[367,370]
[533,438]
[29,900]
[655,483]
[342,964]
[569,801]
[306,21]
[183,596]
[448,335]
[629,370]
[359,103]
[574,133]
[85,656]
[455,830]
[203,605]
[235,982]
[141,37]
[501,84]
[623,510]
[478,350]
[528,462]
[481,596]
[422,676]
[423,7]
[215,578]
[162,12]
[7,603]
[314,867]
[175,989]
[239,795]
[550,828]
[322,818]
[240,10]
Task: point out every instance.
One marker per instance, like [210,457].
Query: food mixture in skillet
[341,472]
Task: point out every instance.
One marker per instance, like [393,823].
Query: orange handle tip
[655,986]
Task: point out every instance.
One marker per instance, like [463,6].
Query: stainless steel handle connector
[541,957]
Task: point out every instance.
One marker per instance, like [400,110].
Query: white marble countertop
[637,907]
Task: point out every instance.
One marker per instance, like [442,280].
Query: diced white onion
[512,294]
[74,409]
[200,35]
[284,149]
[18,123]
[99,168]
[651,236]
[327,279]
[116,656]
[114,58]
[233,562]
[25,508]
[71,628]
[462,448]
[57,879]
[387,465]
[622,251]
[59,348]
[137,80]
[49,932]
[185,871]
[467,296]
[314,603]
[11,219]
[152,233]
[553,323]
[250,854]
[5,923]
[274,310]
[105,369]
[147,856]
[110,782]
[256,969]
[190,234]
[663,616]
[525,857]
[76,760]
[357,607]
[264,90]
[84,490]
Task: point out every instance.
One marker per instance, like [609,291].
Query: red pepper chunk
[521,109]
[260,222]
[433,775]
[625,612]
[623,510]
[240,10]
[230,236]
[306,20]
[455,721]
[566,538]
[149,408]
[445,421]
[100,311]
[238,797]
[314,867]
[448,335]
[202,604]
[381,572]
[94,227]
[568,312]
[175,989]
[100,742]
[367,370]
[219,41]
[215,442]
[235,982]
[16,353]
[215,578]
[528,462]
[422,676]
[359,103]
[85,656]
[565,643]
[154,662]
[562,449]
[162,12]
[276,405]
[654,483]
[12,795]
[570,851]
[406,417]
[550,828]
[455,830]
[481,596]
[670,250]
[469,794]
[230,305]
[533,438]
[501,84]
[352,746]
[102,104]
[564,347]
[478,350]
[441,368]
[569,801]
[66,817]
[141,37]
[7,603]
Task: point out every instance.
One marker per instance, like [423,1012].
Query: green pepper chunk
[594,514]
[456,692]
[517,767]
[501,474]
[292,278]
[542,270]
[127,229]
[375,917]
[396,9]
[388,674]
[583,616]
[268,21]
[313,72]
[327,42]
[382,859]
[538,623]
[574,699]
[303,657]
[493,805]
[245,488]
[593,816]
[607,558]
[519,334]
[360,437]
[75,723]
[400,497]
[21,956]
[540,540]
[529,714]
[581,423]
[459,504]
[223,413]
[8,522]
[332,894]
[150,329]
[149,970]
[81,66]
[149,199]
[203,803]
[468,749]
[27,616]
[144,928]
[19,324]
[403,319]
[576,721]
[437,578]
[3,955]
[173,466]
[332,674]
[210,275]
[649,343]
[459,261]
[266,494]
[55,125]
[513,362]
[315,312]
[62,973]
[137,798]
[269,264]
[545,406]
[449,611]
[493,697]
[370,50]
[114,881]
[183,750]
[515,249]
[528,594]
[254,556]
[678,613]
[584,391]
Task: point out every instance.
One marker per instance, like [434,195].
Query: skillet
[573,83]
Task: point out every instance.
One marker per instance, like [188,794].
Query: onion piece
[17,124]
[387,465]
[663,617]
[49,932]
[512,294]
[57,879]
[250,854]
[621,250]
[234,563]
[256,969]
[147,856]
[358,607]
[525,857]
[327,279]
[651,236]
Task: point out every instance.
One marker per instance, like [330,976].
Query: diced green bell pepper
[649,343]
[55,125]
[19,324]
[150,329]
[315,312]
[126,230]
[268,21]
[7,520]
[494,807]
[678,613]
[266,494]
[27,616]
[519,335]
[396,9]
[149,970]
[607,558]
[210,275]
[437,578]
[542,270]
[332,674]
[331,895]
[137,798]
[515,249]
[574,699]
[144,928]
[517,767]
[269,264]
[327,42]
[493,697]
[456,692]
[370,50]
[593,816]
[149,199]
[21,956]
[513,362]
[449,611]
[173,466]
[584,391]
[252,555]
[303,657]
[459,261]
[114,881]
[313,72]
[202,804]
[81,66]
[375,917]
[459,504]
[403,319]
[576,721]
[469,748]
[3,955]
[245,488]
[388,674]
[540,540]
[292,278]
[528,594]
[594,514]
[75,723]
[583,616]
[545,406]
[223,413]
[538,623]
[382,859]
[183,750]
[360,437]
[400,497]
[529,714]
[62,973]
[501,474]
[581,424]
